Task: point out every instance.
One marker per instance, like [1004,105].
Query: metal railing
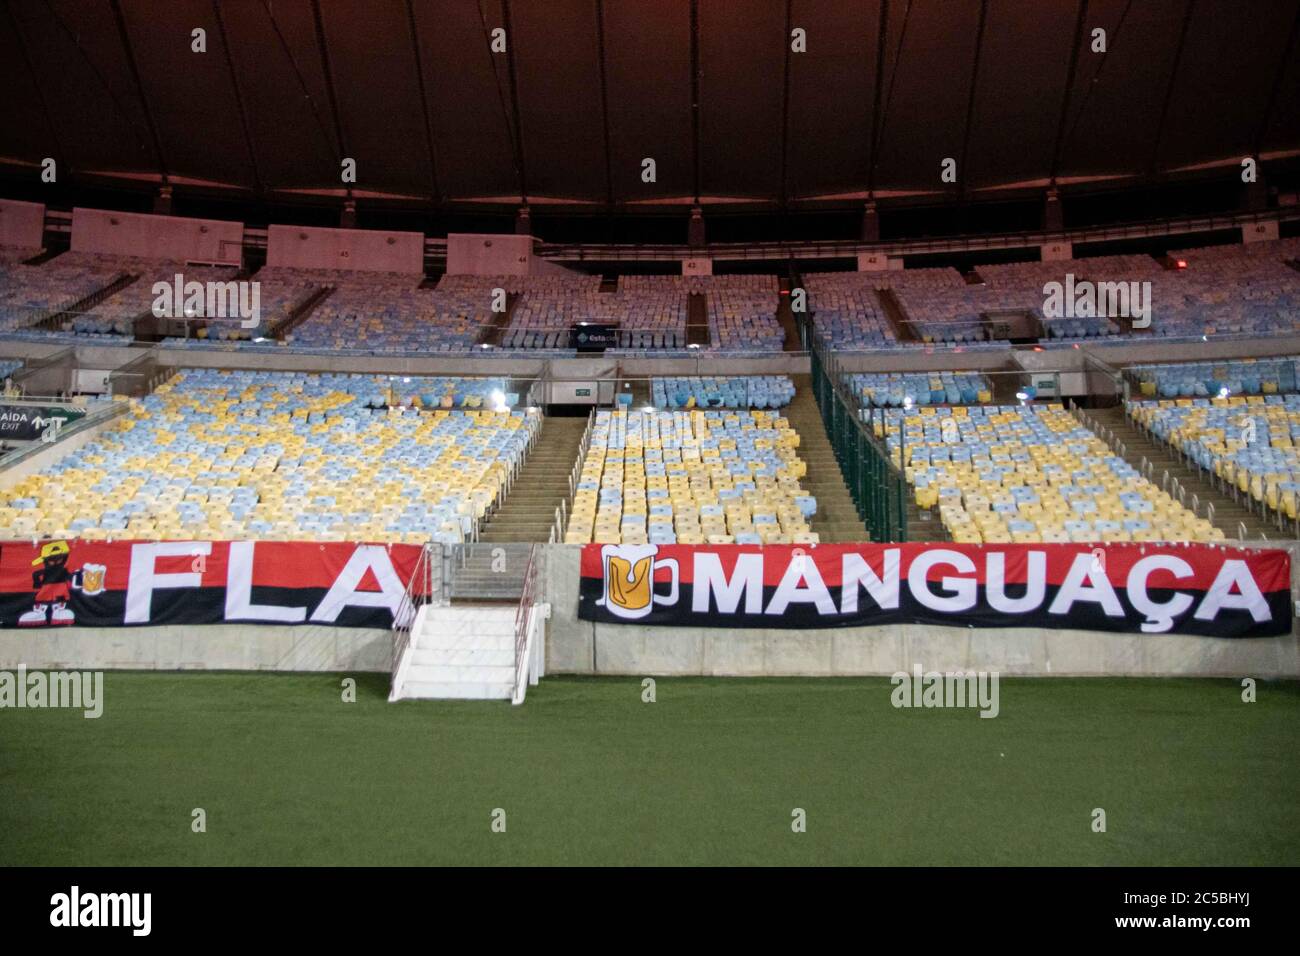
[523,622]
[1168,482]
[562,512]
[423,588]
[93,418]
[877,485]
[1228,489]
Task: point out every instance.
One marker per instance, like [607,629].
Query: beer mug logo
[630,579]
[92,579]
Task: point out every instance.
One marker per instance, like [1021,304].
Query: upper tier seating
[386,312]
[31,293]
[1027,474]
[548,306]
[656,309]
[281,290]
[1019,286]
[897,389]
[939,303]
[694,477]
[1225,290]
[742,312]
[288,456]
[117,313]
[847,310]
[737,391]
[1248,441]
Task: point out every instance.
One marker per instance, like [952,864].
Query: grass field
[589,774]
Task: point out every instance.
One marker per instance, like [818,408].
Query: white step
[431,640]
[469,657]
[458,690]
[472,617]
[440,673]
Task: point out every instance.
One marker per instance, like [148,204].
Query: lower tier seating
[1248,441]
[1027,474]
[696,477]
[269,455]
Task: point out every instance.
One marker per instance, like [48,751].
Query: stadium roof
[588,89]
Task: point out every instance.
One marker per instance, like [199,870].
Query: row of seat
[1028,474]
[899,389]
[733,391]
[270,455]
[1211,379]
[694,477]
[1252,442]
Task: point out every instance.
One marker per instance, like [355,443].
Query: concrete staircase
[836,519]
[464,652]
[1139,444]
[528,511]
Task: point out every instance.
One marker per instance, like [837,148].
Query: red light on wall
[1181,263]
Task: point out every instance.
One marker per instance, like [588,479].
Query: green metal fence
[879,488]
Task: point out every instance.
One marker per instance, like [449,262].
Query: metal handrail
[419,591]
[523,613]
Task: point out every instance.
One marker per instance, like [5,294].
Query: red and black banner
[1147,588]
[122,583]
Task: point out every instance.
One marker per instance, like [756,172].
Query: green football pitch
[712,771]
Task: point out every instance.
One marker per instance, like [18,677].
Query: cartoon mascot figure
[53,583]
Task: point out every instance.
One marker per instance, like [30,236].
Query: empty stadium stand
[690,477]
[265,455]
[1229,426]
[1029,473]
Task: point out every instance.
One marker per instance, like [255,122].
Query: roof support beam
[1070,72]
[424,103]
[881,35]
[970,98]
[51,127]
[785,106]
[1287,54]
[1169,89]
[893,75]
[323,48]
[604,105]
[239,98]
[514,103]
[129,52]
[695,99]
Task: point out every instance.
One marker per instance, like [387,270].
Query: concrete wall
[212,647]
[22,224]
[791,363]
[489,255]
[157,237]
[356,250]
